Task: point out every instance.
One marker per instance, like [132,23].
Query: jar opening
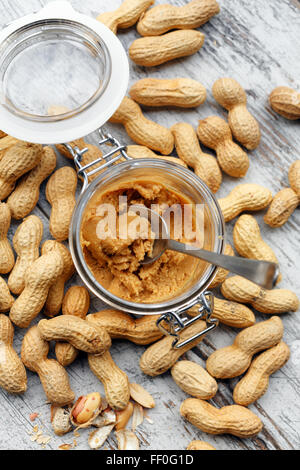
[184,182]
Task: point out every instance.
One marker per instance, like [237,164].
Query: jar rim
[187,299]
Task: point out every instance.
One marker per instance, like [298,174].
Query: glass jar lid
[62,75]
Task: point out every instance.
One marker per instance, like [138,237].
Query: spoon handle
[262,273]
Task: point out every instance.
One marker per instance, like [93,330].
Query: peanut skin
[255,383]
[215,133]
[115,381]
[7,259]
[180,92]
[163,18]
[234,419]
[234,360]
[161,356]
[53,376]
[189,150]
[245,197]
[194,380]
[231,96]
[126,15]
[26,243]
[152,51]
[81,334]
[12,372]
[56,291]
[286,102]
[142,130]
[38,280]
[273,301]
[120,325]
[60,193]
[26,195]
[17,160]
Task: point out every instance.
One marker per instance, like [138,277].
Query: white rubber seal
[91,118]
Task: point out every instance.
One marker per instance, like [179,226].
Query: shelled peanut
[189,150]
[255,383]
[60,193]
[7,259]
[245,197]
[180,92]
[24,198]
[286,102]
[221,272]
[161,356]
[286,201]
[163,18]
[17,160]
[76,331]
[274,301]
[194,380]
[120,325]
[234,419]
[229,313]
[231,96]
[56,291]
[200,445]
[234,360]
[53,376]
[140,151]
[126,15]
[248,241]
[38,279]
[6,299]
[12,372]
[26,242]
[76,302]
[215,133]
[152,51]
[86,409]
[115,381]
[142,130]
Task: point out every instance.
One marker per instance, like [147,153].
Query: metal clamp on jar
[63,75]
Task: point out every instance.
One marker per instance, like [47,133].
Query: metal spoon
[262,273]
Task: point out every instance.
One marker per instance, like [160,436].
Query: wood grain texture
[257,43]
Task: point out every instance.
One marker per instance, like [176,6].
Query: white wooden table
[258,43]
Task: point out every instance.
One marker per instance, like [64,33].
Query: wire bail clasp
[176,323]
[117,153]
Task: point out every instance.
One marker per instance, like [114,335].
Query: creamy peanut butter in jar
[115,255]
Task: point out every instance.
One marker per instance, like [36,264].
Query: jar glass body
[178,179]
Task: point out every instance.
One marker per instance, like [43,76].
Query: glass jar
[180,180]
